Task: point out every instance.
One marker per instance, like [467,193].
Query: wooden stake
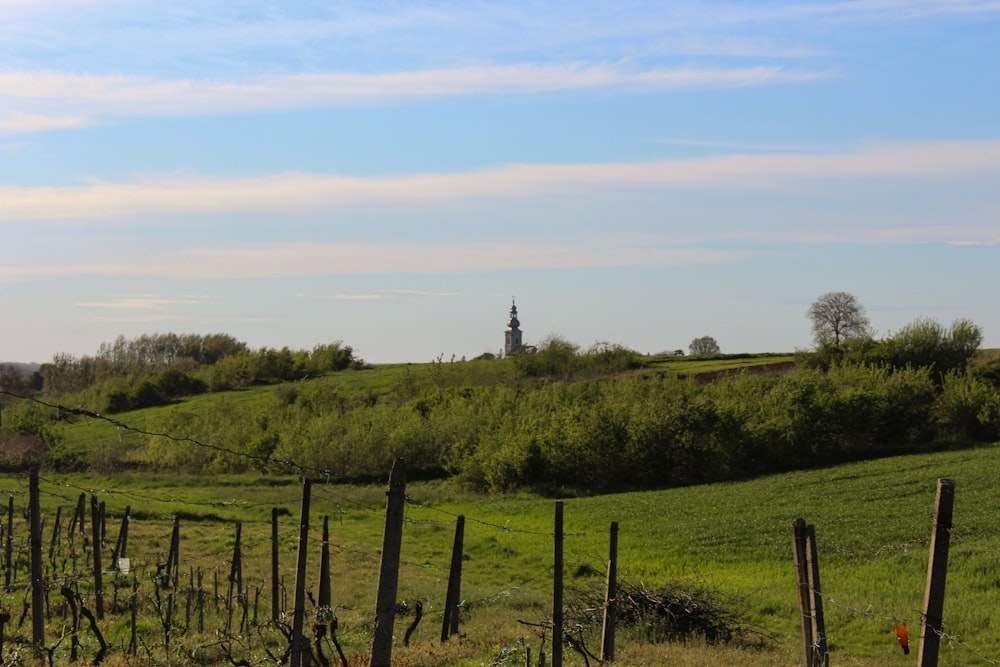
[821,657]
[610,599]
[95,523]
[802,581]
[388,572]
[37,574]
[557,589]
[325,596]
[275,583]
[449,624]
[299,650]
[937,571]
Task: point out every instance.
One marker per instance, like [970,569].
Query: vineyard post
[102,509]
[133,607]
[937,570]
[802,581]
[201,602]
[610,598]
[121,546]
[55,537]
[275,602]
[173,557]
[95,522]
[81,506]
[325,595]
[37,576]
[557,589]
[822,658]
[449,625]
[9,545]
[299,651]
[388,572]
[189,601]
[235,577]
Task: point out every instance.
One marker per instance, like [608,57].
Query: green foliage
[926,343]
[590,422]
[968,409]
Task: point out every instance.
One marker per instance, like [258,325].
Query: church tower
[512,337]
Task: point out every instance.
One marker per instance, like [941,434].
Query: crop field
[729,542]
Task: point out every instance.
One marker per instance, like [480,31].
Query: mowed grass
[873,520]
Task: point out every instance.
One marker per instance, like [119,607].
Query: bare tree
[837,317]
[703,345]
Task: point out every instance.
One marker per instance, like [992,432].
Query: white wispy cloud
[25,123]
[137,303]
[303,259]
[301,192]
[55,100]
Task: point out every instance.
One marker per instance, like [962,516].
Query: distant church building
[512,337]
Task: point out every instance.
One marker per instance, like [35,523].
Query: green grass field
[872,520]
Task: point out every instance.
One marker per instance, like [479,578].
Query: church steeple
[512,337]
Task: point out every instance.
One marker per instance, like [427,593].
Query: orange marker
[903,634]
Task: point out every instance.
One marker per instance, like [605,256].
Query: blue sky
[391,175]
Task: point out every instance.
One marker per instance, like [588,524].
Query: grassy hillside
[872,520]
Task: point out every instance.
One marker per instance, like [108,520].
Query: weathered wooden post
[174,556]
[300,651]
[449,624]
[325,594]
[388,571]
[37,573]
[802,581]
[275,582]
[610,598]
[821,657]
[95,524]
[937,570]
[121,545]
[55,537]
[9,545]
[235,576]
[557,588]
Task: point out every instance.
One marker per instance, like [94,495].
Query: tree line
[156,369]
[562,418]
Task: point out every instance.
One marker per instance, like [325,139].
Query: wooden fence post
[557,588]
[300,652]
[121,546]
[821,657]
[55,537]
[802,582]
[610,598]
[449,624]
[937,570]
[95,524]
[235,576]
[388,571]
[9,545]
[37,574]
[275,582]
[325,594]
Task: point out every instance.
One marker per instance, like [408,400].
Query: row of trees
[155,369]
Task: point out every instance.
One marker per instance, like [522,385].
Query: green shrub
[968,409]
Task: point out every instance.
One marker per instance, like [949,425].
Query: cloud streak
[302,259]
[302,192]
[40,99]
